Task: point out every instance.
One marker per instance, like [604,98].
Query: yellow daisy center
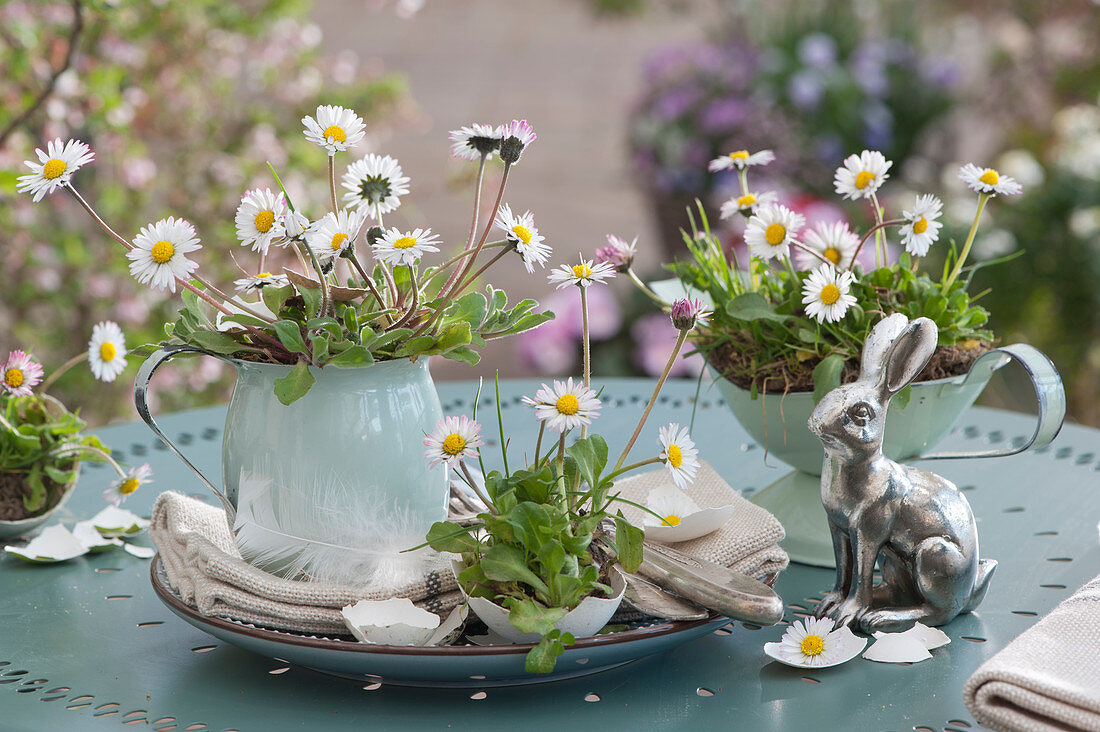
[920,225]
[990,177]
[830,293]
[672,520]
[568,404]
[453,444]
[264,221]
[107,351]
[129,486]
[339,239]
[832,254]
[405,242]
[53,168]
[336,133]
[775,234]
[746,200]
[263,275]
[675,456]
[813,645]
[581,271]
[13,378]
[162,251]
[739,155]
[864,179]
[523,233]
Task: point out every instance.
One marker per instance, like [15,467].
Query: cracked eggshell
[95,542]
[54,544]
[114,521]
[694,521]
[848,646]
[141,552]
[930,638]
[393,622]
[897,648]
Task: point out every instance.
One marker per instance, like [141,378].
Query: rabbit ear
[877,347]
[909,355]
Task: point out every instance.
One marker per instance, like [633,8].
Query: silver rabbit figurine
[915,523]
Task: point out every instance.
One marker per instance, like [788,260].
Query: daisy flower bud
[515,137]
[687,313]
[618,253]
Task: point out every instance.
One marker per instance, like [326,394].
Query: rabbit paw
[888,620]
[848,612]
[828,602]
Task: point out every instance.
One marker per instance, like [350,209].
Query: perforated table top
[86,644]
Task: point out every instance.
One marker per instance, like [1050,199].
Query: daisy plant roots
[543,543]
[314,299]
[794,313]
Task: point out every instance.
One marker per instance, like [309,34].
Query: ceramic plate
[455,666]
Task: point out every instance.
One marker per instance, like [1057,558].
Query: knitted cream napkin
[1049,677]
[203,565]
[747,543]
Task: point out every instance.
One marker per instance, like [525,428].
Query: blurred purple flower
[805,89]
[655,337]
[675,103]
[817,50]
[723,114]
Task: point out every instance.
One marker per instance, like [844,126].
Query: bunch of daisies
[35,413]
[826,253]
[321,250]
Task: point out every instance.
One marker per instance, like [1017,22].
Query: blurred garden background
[184,101]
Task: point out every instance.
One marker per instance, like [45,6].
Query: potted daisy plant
[42,442]
[330,331]
[537,564]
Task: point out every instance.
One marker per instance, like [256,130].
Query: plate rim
[170,598]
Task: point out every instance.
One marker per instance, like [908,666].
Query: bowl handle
[141,389]
[1049,391]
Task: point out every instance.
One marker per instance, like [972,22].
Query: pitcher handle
[1048,389]
[141,390]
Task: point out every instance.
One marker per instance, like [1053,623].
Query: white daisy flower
[295,224]
[582,275]
[983,180]
[771,229]
[257,282]
[565,406]
[470,143]
[336,233]
[520,231]
[515,137]
[681,518]
[54,168]
[158,256]
[813,643]
[740,160]
[335,129]
[745,203]
[678,453]
[260,219]
[921,228]
[20,374]
[834,241]
[107,351]
[825,294]
[375,184]
[124,487]
[861,175]
[618,253]
[453,440]
[397,247]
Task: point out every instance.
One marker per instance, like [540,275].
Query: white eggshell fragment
[94,541]
[844,645]
[897,648]
[393,622]
[115,521]
[141,552]
[930,638]
[694,521]
[54,544]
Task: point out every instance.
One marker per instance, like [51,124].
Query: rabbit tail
[981,583]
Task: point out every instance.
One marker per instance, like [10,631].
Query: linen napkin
[1049,677]
[747,543]
[204,566]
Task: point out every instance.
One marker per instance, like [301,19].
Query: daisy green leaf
[827,375]
[290,335]
[505,563]
[353,356]
[295,384]
[275,297]
[529,616]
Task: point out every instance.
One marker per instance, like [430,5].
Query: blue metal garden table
[87,645]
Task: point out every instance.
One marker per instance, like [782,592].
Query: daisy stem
[587,351]
[809,250]
[642,286]
[653,399]
[72,447]
[538,443]
[415,301]
[320,278]
[880,240]
[743,176]
[484,235]
[473,278]
[872,230]
[263,261]
[473,485]
[332,181]
[982,200]
[473,225]
[390,284]
[560,462]
[367,280]
[61,370]
[457,258]
[632,466]
[94,215]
